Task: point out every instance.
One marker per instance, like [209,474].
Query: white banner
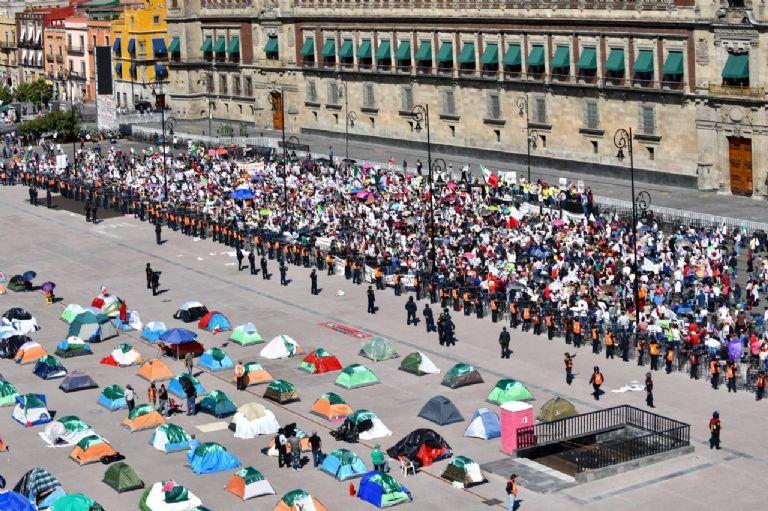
[323,243]
[368,274]
[405,280]
[338,264]
[61,161]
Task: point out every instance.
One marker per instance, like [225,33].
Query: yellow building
[140,55]
[9,74]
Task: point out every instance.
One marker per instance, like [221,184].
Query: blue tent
[211,457]
[485,424]
[181,381]
[178,336]
[113,398]
[343,464]
[382,490]
[215,359]
[214,321]
[12,501]
[152,331]
[49,368]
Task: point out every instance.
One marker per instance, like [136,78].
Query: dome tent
[465,471]
[248,482]
[92,327]
[170,438]
[132,323]
[71,312]
[77,381]
[113,398]
[214,321]
[320,361]
[39,486]
[252,420]
[255,374]
[72,347]
[246,335]
[556,408]
[281,346]
[13,501]
[76,502]
[123,355]
[419,364]
[343,464]
[168,496]
[31,410]
[218,404]
[422,445]
[508,390]
[211,457]
[378,349]
[299,500]
[355,376]
[8,393]
[485,424]
[68,430]
[331,406]
[461,375]
[91,449]
[152,331]
[189,312]
[382,490]
[281,391]
[29,352]
[10,345]
[143,417]
[48,368]
[215,359]
[181,383]
[441,411]
[361,425]
[154,370]
[122,478]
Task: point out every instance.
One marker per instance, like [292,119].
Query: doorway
[277,110]
[740,162]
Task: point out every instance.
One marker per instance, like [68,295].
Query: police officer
[649,390]
[88,210]
[448,328]
[504,340]
[313,279]
[94,211]
[410,308]
[155,282]
[596,381]
[252,262]
[429,319]
[714,431]
[264,274]
[283,274]
[48,198]
[730,376]
[240,257]
[568,360]
[371,300]
[148,271]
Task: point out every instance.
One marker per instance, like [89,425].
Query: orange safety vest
[548,321]
[466,297]
[576,327]
[379,274]
[568,362]
[599,379]
[239,370]
[729,372]
[609,339]
[526,313]
[654,349]
[455,293]
[513,307]
[714,367]
[595,334]
[670,356]
[494,306]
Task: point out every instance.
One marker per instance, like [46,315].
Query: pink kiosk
[514,415]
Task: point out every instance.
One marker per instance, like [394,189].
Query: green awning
[536,57]
[308,49]
[644,62]
[446,52]
[674,64]
[234,45]
[364,52]
[615,62]
[175,46]
[736,67]
[587,59]
[513,56]
[425,51]
[329,49]
[347,50]
[273,47]
[467,55]
[221,45]
[404,50]
[562,58]
[207,44]
[384,51]
[490,55]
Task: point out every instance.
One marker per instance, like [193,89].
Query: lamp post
[420,115]
[532,136]
[349,117]
[622,139]
[157,91]
[275,97]
[72,113]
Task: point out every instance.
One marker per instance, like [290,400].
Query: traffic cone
[352,491]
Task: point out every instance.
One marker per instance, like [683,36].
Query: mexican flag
[491,179]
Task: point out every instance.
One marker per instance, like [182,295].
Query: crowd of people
[501,248]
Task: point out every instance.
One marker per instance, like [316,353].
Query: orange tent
[90,450]
[30,352]
[155,370]
[331,406]
[296,500]
[143,417]
[255,374]
[3,447]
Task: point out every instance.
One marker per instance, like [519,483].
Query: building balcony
[49,57]
[59,58]
[7,46]
[75,77]
[75,50]
[736,91]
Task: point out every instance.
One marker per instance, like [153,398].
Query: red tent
[321,361]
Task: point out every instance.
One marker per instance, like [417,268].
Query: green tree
[6,96]
[38,92]
[64,122]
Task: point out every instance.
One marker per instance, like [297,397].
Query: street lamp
[622,139]
[275,97]
[420,114]
[349,117]
[157,91]
[532,136]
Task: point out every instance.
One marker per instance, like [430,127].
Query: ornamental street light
[349,117]
[275,97]
[420,115]
[532,136]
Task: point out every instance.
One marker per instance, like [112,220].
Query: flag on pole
[491,179]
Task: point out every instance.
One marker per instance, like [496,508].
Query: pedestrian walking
[715,427]
[760,385]
[568,359]
[316,444]
[191,398]
[189,362]
[148,271]
[410,309]
[512,491]
[371,301]
[313,282]
[130,398]
[429,318]
[596,381]
[504,340]
[152,395]
[714,373]
[240,375]
[649,390]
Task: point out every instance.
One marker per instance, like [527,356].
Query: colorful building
[78,50]
[54,42]
[140,54]
[9,74]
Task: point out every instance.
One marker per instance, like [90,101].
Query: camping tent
[281,346]
[180,341]
[17,313]
[90,450]
[299,500]
[356,375]
[22,321]
[218,404]
[382,490]
[71,312]
[556,408]
[143,417]
[290,430]
[8,393]
[465,471]
[485,424]
[361,425]
[29,352]
[31,410]
[170,438]
[152,331]
[113,398]
[248,482]
[181,383]
[121,477]
[211,457]
[419,364]
[76,502]
[109,305]
[123,355]
[168,496]
[331,406]
[508,390]
[68,430]
[214,321]
[246,335]
[189,312]
[320,361]
[441,411]
[92,327]
[252,420]
[131,324]
[72,347]
[215,359]
[343,464]
[378,349]
[255,374]
[424,446]
[10,344]
[154,370]
[48,368]
[461,375]
[76,381]
[281,391]
[12,501]
[39,487]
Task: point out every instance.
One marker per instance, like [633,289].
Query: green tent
[508,390]
[141,410]
[71,312]
[378,349]
[556,408]
[382,490]
[281,391]
[461,375]
[218,404]
[89,441]
[76,502]
[419,364]
[121,477]
[360,415]
[356,375]
[73,424]
[8,393]
[246,335]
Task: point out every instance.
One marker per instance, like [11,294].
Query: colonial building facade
[687,76]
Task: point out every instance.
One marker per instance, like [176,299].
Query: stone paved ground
[81,257]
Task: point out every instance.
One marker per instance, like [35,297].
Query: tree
[6,96]
[66,123]
[38,92]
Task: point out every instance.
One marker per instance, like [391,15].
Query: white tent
[156,498]
[31,410]
[253,419]
[281,346]
[56,434]
[23,326]
[378,430]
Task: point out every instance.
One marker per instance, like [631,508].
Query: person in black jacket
[371,300]
[410,308]
[148,270]
[252,262]
[429,318]
[313,279]
[504,340]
